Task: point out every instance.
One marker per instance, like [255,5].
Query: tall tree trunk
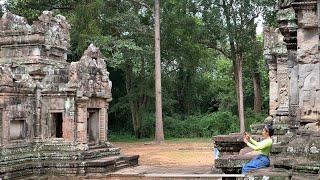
[257,101]
[236,81]
[240,91]
[142,95]
[257,104]
[159,135]
[236,57]
[136,120]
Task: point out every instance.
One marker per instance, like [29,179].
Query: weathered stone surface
[231,164]
[229,143]
[294,70]
[307,19]
[286,14]
[55,29]
[269,173]
[307,52]
[53,115]
[13,23]
[90,76]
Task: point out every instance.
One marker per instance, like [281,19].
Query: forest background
[205,45]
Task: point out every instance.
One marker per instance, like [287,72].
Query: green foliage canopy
[197,81]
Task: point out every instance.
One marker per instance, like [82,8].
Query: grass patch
[126,138]
[188,139]
[132,139]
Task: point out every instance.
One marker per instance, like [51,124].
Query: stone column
[294,110]
[1,134]
[286,17]
[37,76]
[6,127]
[102,121]
[37,130]
[283,86]
[273,85]
[106,121]
[273,45]
[81,120]
[308,62]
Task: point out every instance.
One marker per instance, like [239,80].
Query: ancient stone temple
[292,54]
[53,114]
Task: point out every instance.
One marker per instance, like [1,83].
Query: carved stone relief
[90,75]
[309,84]
[55,28]
[307,46]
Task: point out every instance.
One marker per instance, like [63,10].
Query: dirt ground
[188,154]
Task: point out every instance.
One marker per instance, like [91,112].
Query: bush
[222,122]
[203,126]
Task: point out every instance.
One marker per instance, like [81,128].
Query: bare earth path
[181,156]
[178,156]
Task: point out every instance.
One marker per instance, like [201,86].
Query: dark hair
[270,129]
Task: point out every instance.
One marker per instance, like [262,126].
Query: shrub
[222,122]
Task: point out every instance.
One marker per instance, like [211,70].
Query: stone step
[313,168]
[270,173]
[122,165]
[170,176]
[101,152]
[231,164]
[119,162]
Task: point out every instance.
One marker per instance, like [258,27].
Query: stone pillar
[106,122]
[37,130]
[308,62]
[294,110]
[102,121]
[273,47]
[6,127]
[287,69]
[283,86]
[81,120]
[69,124]
[1,134]
[273,85]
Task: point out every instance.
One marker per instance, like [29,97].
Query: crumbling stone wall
[46,103]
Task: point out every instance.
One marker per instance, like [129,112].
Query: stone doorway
[57,121]
[93,125]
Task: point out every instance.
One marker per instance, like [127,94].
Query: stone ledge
[231,163]
[279,174]
[103,165]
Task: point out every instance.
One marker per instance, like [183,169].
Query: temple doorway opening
[57,122]
[93,125]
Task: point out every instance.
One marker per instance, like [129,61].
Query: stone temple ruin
[292,55]
[53,114]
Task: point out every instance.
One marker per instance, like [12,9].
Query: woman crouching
[261,150]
